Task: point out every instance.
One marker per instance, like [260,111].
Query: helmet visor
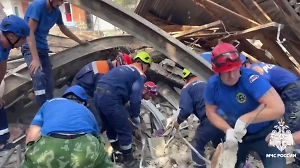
[222,59]
[152,89]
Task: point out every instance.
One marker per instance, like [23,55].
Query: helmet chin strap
[12,45]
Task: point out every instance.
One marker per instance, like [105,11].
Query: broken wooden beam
[267,28]
[216,8]
[195,30]
[241,5]
[290,15]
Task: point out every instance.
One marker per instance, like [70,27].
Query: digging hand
[176,125]
[230,138]
[240,130]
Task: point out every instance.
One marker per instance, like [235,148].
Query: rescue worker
[41,15]
[14,31]
[114,90]
[64,133]
[88,76]
[244,95]
[191,101]
[287,84]
[150,90]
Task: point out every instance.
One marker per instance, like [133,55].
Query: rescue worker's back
[65,116]
[122,83]
[191,100]
[276,75]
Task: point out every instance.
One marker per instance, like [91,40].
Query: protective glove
[240,130]
[136,121]
[230,138]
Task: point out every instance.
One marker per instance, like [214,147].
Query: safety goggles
[151,89]
[220,60]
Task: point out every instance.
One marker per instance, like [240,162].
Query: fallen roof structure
[204,23]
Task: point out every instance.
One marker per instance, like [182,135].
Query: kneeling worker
[114,90]
[64,133]
[90,74]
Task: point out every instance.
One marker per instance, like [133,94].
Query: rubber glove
[240,130]
[136,121]
[230,138]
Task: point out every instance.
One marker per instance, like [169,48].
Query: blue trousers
[4,132]
[42,80]
[291,99]
[256,142]
[114,118]
[205,133]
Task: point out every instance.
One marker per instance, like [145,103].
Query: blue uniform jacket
[276,75]
[4,52]
[191,100]
[127,83]
[88,77]
[60,115]
[239,99]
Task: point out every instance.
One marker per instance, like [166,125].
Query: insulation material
[227,158]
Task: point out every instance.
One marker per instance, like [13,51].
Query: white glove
[230,138]
[240,130]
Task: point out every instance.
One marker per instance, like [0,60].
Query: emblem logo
[241,98]
[253,78]
[281,136]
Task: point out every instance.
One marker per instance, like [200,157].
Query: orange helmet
[123,59]
[150,87]
[225,58]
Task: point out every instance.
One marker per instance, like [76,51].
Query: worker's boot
[116,155]
[129,161]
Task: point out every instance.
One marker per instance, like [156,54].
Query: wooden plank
[195,30]
[241,5]
[216,8]
[270,45]
[251,32]
[290,15]
[266,17]
[279,55]
[252,50]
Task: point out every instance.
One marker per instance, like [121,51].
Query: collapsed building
[174,32]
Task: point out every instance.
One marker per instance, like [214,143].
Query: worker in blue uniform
[41,15]
[287,84]
[191,101]
[64,133]
[14,31]
[114,90]
[90,74]
[248,98]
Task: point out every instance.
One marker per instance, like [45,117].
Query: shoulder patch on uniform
[253,78]
[258,69]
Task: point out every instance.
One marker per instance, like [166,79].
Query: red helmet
[150,87]
[225,58]
[124,59]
